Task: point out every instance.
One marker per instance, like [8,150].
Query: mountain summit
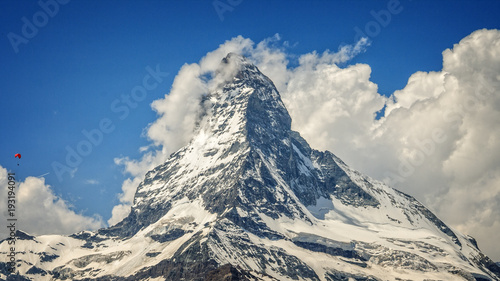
[248,199]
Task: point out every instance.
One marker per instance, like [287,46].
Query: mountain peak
[235,58]
[246,90]
[233,63]
[236,66]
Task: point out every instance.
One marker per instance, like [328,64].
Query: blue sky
[66,78]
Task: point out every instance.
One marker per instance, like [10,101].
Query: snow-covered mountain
[248,199]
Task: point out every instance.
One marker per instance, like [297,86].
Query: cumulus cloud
[39,211]
[439,139]
[92,182]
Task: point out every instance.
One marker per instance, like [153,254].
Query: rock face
[248,199]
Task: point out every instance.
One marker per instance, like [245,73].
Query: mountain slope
[248,199]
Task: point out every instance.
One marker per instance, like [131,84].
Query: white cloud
[39,211]
[438,141]
[332,106]
[120,212]
[92,181]
[421,86]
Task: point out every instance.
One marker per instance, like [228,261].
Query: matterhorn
[248,199]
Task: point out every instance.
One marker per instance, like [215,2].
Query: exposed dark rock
[431,217]
[20,235]
[44,257]
[16,277]
[473,241]
[486,263]
[4,268]
[335,275]
[169,236]
[316,247]
[226,272]
[36,270]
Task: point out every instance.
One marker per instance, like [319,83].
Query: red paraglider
[18,155]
